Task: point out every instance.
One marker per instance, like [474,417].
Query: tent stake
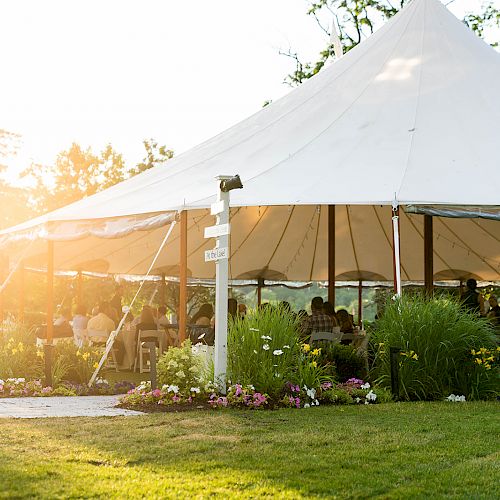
[331,254]
[183,279]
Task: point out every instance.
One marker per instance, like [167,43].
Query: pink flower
[175,398]
[297,402]
[238,390]
[157,393]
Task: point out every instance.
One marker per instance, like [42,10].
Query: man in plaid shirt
[318,321]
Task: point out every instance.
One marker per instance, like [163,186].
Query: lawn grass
[416,450]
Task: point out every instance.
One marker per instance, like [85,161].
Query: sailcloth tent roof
[409,115]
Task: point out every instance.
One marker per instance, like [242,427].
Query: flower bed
[20,387]
[170,398]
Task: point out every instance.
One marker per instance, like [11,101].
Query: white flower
[164,387]
[286,347]
[366,385]
[307,405]
[180,374]
[266,347]
[277,352]
[254,329]
[195,389]
[371,396]
[173,388]
[316,402]
[2,382]
[310,392]
[251,387]
[456,399]
[367,402]
[357,400]
[266,337]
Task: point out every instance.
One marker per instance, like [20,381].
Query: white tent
[409,116]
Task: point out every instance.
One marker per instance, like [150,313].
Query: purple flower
[175,398]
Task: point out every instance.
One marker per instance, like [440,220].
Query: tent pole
[50,291]
[428,255]
[79,288]
[183,278]
[4,266]
[260,284]
[21,293]
[163,290]
[396,255]
[331,254]
[360,303]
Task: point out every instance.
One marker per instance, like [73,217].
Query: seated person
[330,311]
[204,315]
[232,308]
[472,300]
[242,310]
[494,312]
[318,321]
[345,321]
[63,319]
[80,319]
[162,319]
[147,322]
[102,321]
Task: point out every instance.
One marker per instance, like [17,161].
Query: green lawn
[406,450]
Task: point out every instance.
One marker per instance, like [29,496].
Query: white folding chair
[142,350]
[335,336]
[99,338]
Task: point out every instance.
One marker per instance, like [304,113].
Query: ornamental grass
[438,342]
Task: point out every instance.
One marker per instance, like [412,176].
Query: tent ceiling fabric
[411,114]
[291,241]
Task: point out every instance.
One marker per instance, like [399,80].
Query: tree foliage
[355,20]
[78,173]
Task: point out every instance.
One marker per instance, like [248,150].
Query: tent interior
[290,243]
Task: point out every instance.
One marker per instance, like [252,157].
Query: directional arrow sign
[214,231]
[217,208]
[216,254]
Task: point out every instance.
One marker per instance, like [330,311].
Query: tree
[155,155]
[356,19]
[78,173]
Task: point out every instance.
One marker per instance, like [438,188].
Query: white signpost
[220,254]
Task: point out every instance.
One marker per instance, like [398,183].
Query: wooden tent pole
[360,303]
[183,278]
[50,291]
[79,288]
[22,292]
[331,254]
[260,284]
[428,256]
[163,290]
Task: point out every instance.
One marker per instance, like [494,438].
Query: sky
[121,71]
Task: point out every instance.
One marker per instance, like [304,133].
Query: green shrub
[263,350]
[19,356]
[80,362]
[180,367]
[337,396]
[348,363]
[437,338]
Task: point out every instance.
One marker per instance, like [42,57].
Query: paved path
[71,406]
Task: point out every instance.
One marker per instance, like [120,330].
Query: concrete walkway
[71,406]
